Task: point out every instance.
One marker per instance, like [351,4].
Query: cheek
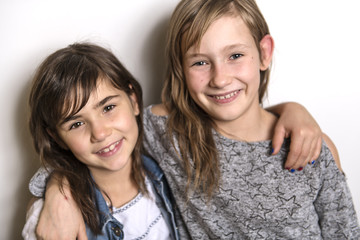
[250,72]
[125,121]
[130,130]
[195,81]
[77,144]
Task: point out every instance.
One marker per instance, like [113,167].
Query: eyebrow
[105,100]
[226,48]
[98,105]
[236,46]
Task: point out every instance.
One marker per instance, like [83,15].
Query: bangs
[74,100]
[196,27]
[75,89]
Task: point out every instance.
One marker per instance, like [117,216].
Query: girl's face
[223,73]
[104,132]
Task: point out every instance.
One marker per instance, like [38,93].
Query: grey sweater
[258,198]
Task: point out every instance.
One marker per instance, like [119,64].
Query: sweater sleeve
[32,217]
[334,205]
[37,183]
[154,129]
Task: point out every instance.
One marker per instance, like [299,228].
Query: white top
[32,217]
[141,217]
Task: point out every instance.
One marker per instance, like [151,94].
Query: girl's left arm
[298,124]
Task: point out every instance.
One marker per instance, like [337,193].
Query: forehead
[80,96]
[227,30]
[105,88]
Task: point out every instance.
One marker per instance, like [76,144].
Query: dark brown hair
[61,87]
[190,124]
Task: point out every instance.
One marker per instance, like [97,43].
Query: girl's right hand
[60,217]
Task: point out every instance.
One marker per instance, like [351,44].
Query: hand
[306,136]
[60,218]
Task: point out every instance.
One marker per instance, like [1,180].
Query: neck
[255,125]
[118,185]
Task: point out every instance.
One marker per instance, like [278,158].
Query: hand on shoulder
[159,109]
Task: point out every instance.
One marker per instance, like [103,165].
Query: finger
[309,158]
[317,151]
[82,232]
[38,237]
[38,233]
[39,230]
[294,153]
[278,139]
[303,156]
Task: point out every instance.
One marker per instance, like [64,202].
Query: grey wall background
[316,63]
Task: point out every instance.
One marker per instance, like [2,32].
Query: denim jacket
[113,229]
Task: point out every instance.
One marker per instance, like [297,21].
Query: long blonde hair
[187,121]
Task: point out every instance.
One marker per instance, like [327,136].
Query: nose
[100,131]
[220,76]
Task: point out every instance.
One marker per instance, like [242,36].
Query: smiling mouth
[226,96]
[108,149]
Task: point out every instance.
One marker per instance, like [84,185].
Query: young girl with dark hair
[87,127]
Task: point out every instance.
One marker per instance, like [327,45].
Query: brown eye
[76,125]
[109,108]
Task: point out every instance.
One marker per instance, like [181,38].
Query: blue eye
[108,108]
[76,125]
[235,56]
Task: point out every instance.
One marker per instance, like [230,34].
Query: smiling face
[223,73]
[104,132]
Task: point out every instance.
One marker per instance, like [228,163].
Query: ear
[267,49]
[134,103]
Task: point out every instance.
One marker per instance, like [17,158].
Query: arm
[296,122]
[60,218]
[54,224]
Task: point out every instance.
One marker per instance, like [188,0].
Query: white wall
[316,63]
[317,49]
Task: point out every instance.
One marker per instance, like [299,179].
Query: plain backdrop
[316,63]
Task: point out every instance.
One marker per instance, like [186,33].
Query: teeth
[226,96]
[105,150]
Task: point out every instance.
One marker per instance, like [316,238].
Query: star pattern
[260,212]
[289,205]
[258,199]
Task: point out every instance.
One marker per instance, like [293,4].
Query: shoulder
[159,109]
[333,150]
[155,117]
[152,168]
